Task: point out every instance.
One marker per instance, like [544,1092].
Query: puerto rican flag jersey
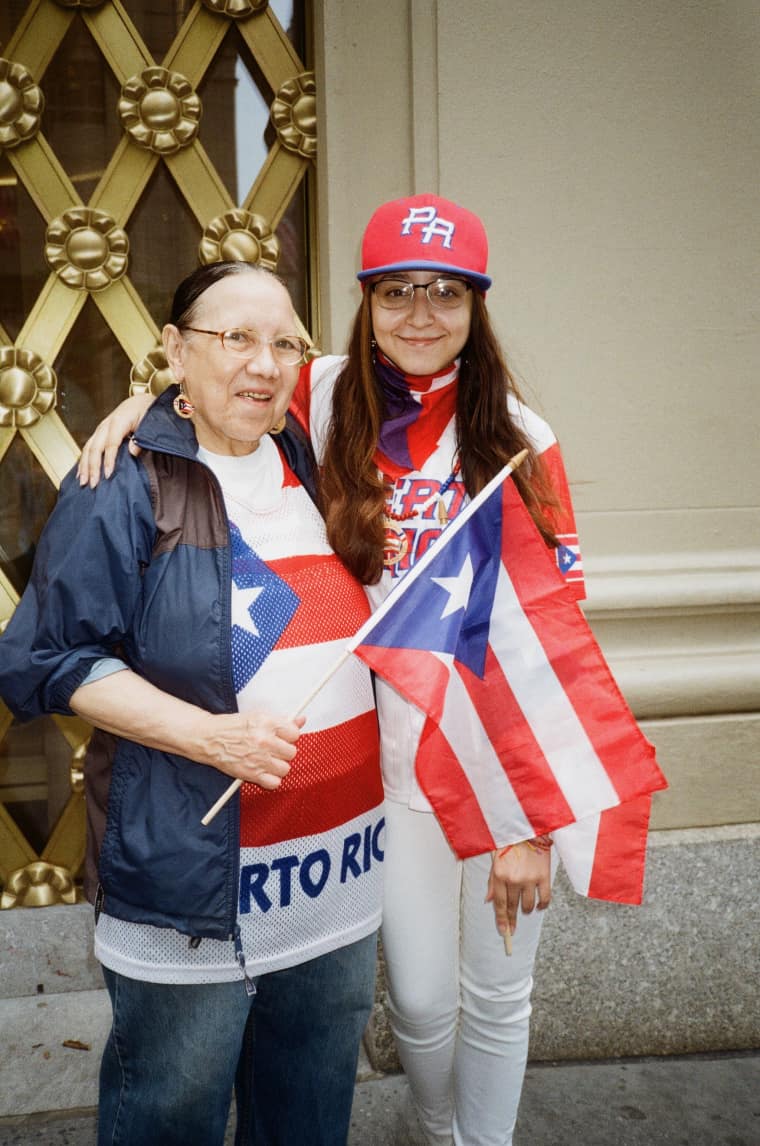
[401,722]
[311,852]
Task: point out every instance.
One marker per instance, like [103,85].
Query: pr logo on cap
[433,225]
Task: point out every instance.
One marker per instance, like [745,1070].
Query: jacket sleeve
[84,590]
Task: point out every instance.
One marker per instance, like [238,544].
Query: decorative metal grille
[92,283]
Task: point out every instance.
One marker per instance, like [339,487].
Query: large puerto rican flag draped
[526,731]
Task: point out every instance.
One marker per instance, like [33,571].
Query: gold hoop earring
[183,407]
[278,427]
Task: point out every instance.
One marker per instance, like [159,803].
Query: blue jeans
[290,1052]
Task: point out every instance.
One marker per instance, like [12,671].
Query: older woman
[186,608]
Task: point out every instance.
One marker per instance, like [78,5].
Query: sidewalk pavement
[695,1100]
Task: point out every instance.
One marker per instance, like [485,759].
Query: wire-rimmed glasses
[287,349]
[443,293]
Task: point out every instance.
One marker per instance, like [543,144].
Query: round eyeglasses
[398,294]
[287,349]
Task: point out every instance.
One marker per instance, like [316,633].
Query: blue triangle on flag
[270,612]
[565,558]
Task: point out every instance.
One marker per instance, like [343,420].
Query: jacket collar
[161,429]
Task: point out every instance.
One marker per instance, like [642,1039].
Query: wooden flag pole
[232,789]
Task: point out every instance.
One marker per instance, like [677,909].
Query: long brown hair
[487,437]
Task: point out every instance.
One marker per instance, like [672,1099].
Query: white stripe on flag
[576,847]
[545,705]
[287,674]
[463,730]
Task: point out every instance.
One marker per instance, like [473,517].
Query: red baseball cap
[425,232]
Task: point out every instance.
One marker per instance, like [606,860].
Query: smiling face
[422,339]
[236,400]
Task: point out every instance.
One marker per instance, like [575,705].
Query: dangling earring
[278,427]
[373,350]
[183,407]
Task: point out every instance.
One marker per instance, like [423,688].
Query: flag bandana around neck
[417,411]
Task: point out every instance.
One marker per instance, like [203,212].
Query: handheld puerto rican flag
[526,730]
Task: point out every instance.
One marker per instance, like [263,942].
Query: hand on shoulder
[102,446]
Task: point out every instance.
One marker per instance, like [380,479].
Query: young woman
[416,419]
[421,414]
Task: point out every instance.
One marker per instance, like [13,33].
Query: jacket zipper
[234,806]
[250,986]
[98,905]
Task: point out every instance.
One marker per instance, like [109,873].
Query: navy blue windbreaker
[140,567]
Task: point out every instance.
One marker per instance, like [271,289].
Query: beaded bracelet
[539,844]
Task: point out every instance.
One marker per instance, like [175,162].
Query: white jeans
[459,1006]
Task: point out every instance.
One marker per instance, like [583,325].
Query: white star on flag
[458,588]
[242,600]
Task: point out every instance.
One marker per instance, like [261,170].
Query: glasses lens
[397,294]
[243,343]
[288,349]
[393,294]
[447,293]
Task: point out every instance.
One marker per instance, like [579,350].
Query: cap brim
[482,281]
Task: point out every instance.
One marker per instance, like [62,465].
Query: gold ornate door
[136,139]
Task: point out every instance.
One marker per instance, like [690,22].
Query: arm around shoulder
[102,446]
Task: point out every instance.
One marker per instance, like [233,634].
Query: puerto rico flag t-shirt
[311,852]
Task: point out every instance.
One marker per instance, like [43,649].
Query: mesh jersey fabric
[311,851]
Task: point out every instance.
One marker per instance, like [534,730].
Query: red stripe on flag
[419,674]
[335,776]
[626,755]
[620,855]
[578,662]
[448,789]
[512,737]
[315,579]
